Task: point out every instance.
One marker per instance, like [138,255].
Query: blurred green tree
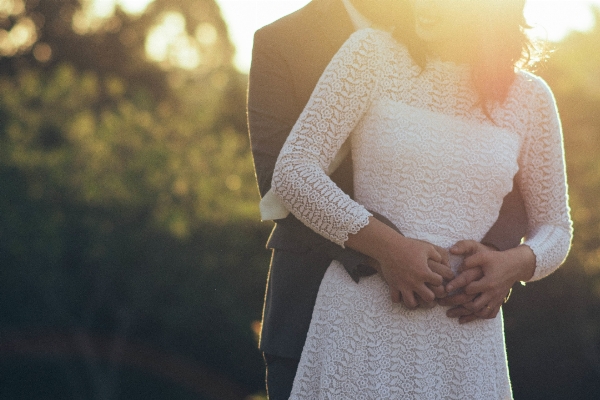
[134,110]
[129,188]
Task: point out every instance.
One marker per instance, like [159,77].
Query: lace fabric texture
[427,158]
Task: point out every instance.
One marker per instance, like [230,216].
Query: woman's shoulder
[532,89]
[530,101]
[369,35]
[370,40]
[377,46]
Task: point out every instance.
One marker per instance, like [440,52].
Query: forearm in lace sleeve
[340,98]
[543,184]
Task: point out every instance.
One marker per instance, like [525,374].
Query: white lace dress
[427,158]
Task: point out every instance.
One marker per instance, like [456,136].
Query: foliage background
[132,260]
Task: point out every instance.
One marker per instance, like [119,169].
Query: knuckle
[470,291]
[473,273]
[465,312]
[429,297]
[452,301]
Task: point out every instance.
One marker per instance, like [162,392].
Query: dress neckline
[448,65]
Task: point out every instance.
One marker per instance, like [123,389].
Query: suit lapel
[327,28]
[334,27]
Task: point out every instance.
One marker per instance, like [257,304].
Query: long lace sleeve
[339,100]
[543,183]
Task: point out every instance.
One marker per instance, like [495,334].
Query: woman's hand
[441,268]
[500,269]
[414,270]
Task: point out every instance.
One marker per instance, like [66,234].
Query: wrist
[524,262]
[376,240]
[490,246]
[394,247]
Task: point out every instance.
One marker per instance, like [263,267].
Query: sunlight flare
[169,42]
[552,19]
[105,8]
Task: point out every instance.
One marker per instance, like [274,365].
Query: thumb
[463,247]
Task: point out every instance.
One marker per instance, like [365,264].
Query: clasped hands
[481,286]
[418,272]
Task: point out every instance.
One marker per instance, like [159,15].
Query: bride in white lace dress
[437,161]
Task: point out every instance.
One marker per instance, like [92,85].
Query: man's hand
[499,271]
[458,299]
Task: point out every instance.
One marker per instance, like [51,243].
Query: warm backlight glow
[11,7]
[94,12]
[104,8]
[552,19]
[20,37]
[23,33]
[169,42]
[134,6]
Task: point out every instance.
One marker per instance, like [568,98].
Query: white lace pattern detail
[427,158]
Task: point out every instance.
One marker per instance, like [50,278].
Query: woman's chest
[402,140]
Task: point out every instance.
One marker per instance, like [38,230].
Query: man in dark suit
[289,56]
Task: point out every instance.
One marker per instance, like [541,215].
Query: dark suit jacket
[288,58]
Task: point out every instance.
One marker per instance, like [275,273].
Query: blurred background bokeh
[132,259]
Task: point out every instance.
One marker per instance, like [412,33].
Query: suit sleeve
[338,103]
[271,116]
[511,225]
[271,110]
